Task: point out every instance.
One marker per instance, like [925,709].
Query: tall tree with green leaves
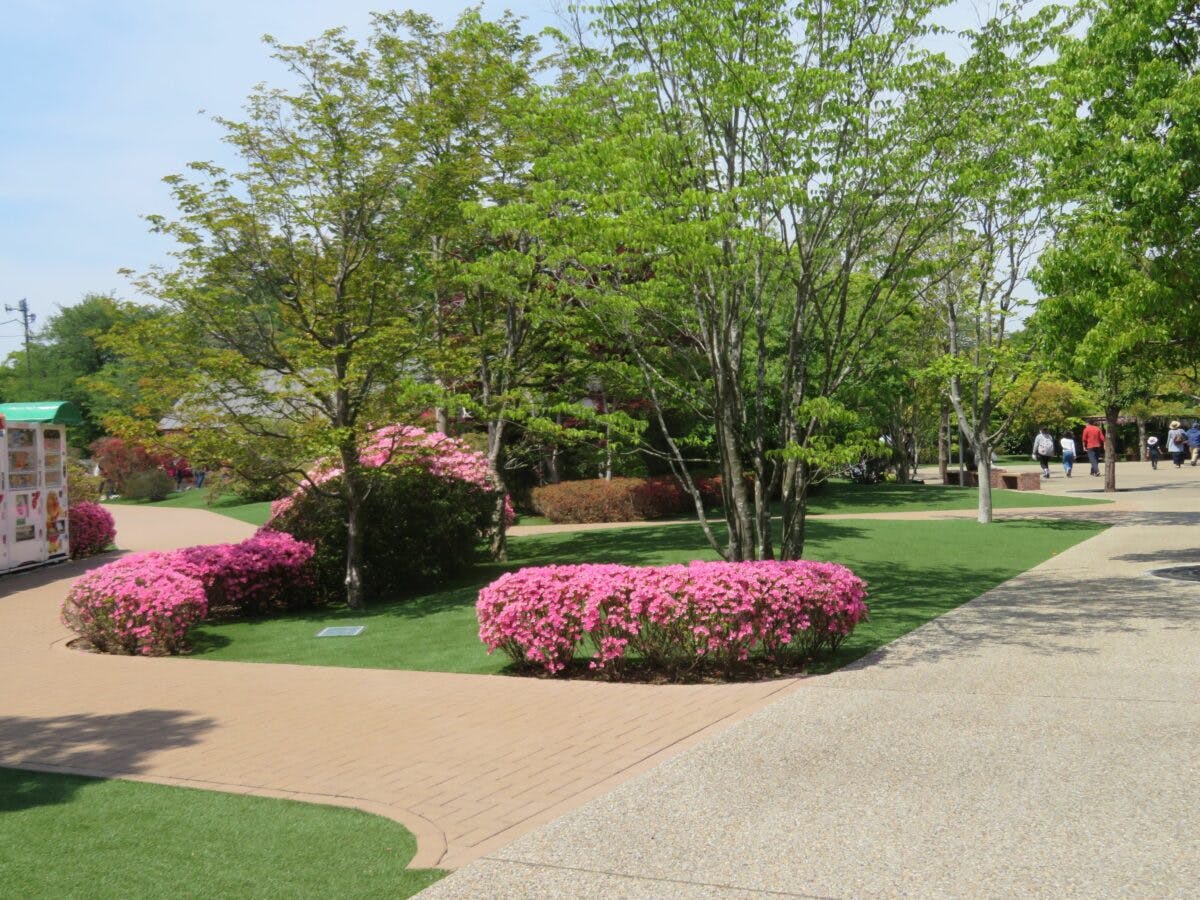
[1002,220]
[745,213]
[291,277]
[1121,275]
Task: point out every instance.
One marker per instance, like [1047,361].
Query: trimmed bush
[91,529]
[142,604]
[615,500]
[421,529]
[263,574]
[713,615]
[149,484]
[430,505]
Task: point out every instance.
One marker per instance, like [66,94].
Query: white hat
[1152,440]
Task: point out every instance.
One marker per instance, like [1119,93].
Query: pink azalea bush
[145,603]
[141,604]
[673,617]
[396,445]
[91,529]
[262,574]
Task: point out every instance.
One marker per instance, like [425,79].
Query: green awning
[57,412]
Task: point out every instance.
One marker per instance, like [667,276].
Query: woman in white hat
[1176,443]
[1152,450]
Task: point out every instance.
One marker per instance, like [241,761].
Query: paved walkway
[1039,740]
[467,762]
[1042,740]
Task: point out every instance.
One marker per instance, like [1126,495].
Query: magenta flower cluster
[141,604]
[266,572]
[674,618]
[443,456]
[145,603]
[91,529]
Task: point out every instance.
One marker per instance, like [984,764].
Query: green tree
[296,331]
[68,353]
[1121,275]
[741,211]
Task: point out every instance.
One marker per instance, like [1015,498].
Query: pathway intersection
[1041,739]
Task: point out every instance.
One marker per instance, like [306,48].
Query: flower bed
[674,619]
[142,604]
[91,529]
[145,603]
[262,574]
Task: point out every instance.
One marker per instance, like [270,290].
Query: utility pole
[27,319]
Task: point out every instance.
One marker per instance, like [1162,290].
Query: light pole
[27,318]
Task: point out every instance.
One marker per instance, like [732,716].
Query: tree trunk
[495,452]
[353,495]
[795,514]
[983,458]
[1112,416]
[1144,453]
[944,442]
[733,488]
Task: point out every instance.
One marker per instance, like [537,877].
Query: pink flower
[670,614]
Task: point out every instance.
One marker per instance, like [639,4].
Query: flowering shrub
[672,617]
[90,528]
[262,574]
[142,604]
[614,500]
[431,502]
[439,454]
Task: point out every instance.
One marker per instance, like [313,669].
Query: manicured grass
[917,570]
[256,513]
[846,497]
[66,836]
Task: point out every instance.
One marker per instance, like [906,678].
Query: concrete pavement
[1042,740]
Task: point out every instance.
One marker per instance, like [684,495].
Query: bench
[1013,481]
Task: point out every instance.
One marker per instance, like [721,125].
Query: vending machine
[33,491]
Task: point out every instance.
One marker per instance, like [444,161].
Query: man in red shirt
[1093,440]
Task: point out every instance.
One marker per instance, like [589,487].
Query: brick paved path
[466,762]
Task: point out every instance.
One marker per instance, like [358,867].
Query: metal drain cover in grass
[1179,573]
[341,631]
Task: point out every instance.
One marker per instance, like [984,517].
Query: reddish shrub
[617,500]
[91,529]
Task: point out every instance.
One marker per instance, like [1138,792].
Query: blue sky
[100,99]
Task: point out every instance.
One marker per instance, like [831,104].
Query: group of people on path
[1180,445]
[1044,449]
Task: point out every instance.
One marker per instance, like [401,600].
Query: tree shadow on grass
[100,745]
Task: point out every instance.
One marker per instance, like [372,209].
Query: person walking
[1067,443]
[1043,449]
[1193,441]
[1176,443]
[1093,440]
[1152,450]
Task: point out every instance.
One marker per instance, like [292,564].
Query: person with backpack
[1193,441]
[1043,449]
[1176,443]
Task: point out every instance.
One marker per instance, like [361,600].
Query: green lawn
[917,570]
[255,513]
[845,497]
[65,837]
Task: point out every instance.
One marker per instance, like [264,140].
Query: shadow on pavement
[109,745]
[1050,616]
